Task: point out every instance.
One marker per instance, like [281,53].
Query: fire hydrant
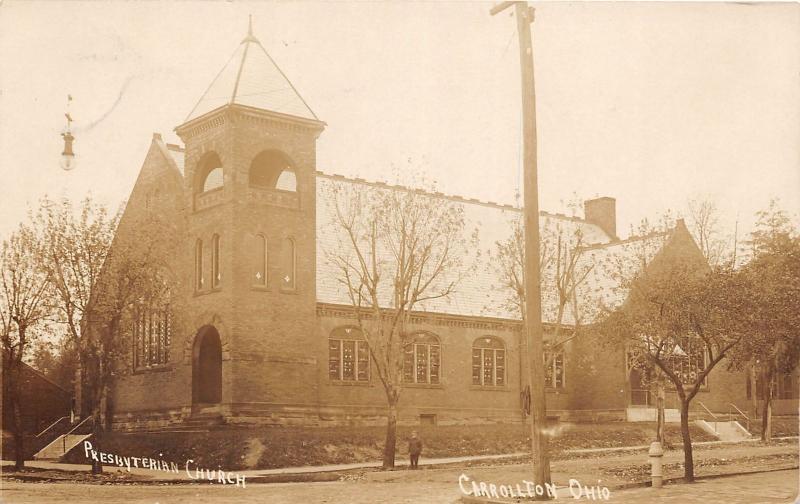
[656,452]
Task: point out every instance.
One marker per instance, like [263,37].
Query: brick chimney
[603,213]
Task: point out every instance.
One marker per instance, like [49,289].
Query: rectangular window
[363,361]
[334,359]
[488,366]
[477,355]
[408,363]
[348,360]
[435,363]
[422,363]
[500,371]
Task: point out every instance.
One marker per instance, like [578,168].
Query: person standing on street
[414,449]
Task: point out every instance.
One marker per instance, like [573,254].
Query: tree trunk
[77,389]
[97,441]
[766,417]
[688,461]
[753,391]
[108,410]
[391,436]
[19,437]
[97,420]
[660,406]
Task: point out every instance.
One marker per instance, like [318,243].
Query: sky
[650,103]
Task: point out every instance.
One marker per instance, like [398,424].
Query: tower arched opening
[273,170]
[209,173]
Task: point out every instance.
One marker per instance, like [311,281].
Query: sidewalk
[254,473]
[628,454]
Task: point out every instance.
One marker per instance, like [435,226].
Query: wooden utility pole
[533,291]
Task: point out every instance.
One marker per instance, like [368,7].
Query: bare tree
[563,271]
[23,311]
[399,250]
[705,226]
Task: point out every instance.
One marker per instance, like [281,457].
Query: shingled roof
[482,293]
[252,78]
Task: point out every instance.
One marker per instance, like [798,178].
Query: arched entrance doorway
[207,367]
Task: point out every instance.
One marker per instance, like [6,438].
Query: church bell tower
[250,189]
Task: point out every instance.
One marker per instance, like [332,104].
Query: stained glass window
[152,335]
[348,355]
[488,362]
[422,359]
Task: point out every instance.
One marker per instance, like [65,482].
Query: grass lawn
[275,447]
[781,426]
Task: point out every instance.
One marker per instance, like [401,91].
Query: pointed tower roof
[252,79]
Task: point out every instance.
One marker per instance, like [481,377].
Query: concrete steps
[724,431]
[60,446]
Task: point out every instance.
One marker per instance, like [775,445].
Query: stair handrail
[51,426]
[746,418]
[709,412]
[64,437]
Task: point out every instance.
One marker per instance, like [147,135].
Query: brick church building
[261,332]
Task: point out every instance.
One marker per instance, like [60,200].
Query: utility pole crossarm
[497,9]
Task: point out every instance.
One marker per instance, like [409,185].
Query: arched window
[199,279]
[209,175]
[348,355]
[288,269]
[216,274]
[273,170]
[258,260]
[422,359]
[489,362]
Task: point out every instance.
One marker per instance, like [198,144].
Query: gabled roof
[607,264]
[176,152]
[252,79]
[481,293]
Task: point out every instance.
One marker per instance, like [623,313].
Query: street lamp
[68,156]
